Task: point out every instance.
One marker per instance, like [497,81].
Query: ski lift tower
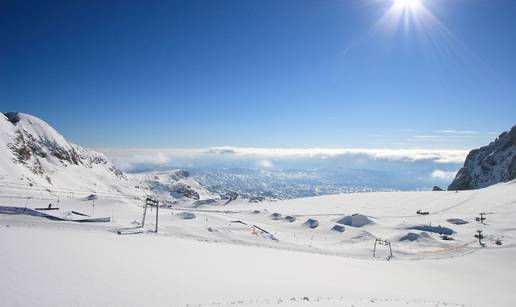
[382,242]
[479,235]
[151,201]
[482,217]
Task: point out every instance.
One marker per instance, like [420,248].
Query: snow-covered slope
[34,156]
[314,251]
[242,255]
[489,165]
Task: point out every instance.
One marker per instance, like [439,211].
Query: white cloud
[452,131]
[443,175]
[265,163]
[436,155]
[427,136]
[127,158]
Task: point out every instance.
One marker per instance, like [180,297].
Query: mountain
[176,186]
[34,156]
[488,165]
[36,161]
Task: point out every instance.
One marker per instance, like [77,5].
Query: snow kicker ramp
[355,220]
[32,212]
[436,229]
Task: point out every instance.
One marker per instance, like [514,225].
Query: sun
[407,4]
[416,21]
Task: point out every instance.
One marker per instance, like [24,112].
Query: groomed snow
[232,256]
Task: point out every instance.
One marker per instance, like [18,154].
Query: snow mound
[412,236]
[355,220]
[276,216]
[339,228]
[435,229]
[311,223]
[363,236]
[457,221]
[186,215]
[290,218]
[204,202]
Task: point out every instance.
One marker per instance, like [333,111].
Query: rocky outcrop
[179,174]
[182,190]
[175,185]
[488,165]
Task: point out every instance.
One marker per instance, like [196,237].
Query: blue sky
[177,74]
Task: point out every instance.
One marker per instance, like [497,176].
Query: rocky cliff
[488,165]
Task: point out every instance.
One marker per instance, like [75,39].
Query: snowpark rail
[32,212]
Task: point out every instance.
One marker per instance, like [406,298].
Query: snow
[166,185]
[186,215]
[412,236]
[489,164]
[311,223]
[437,229]
[92,174]
[41,129]
[276,216]
[355,220]
[236,254]
[339,228]
[232,256]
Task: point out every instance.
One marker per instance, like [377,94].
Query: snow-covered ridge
[35,139]
[175,185]
[34,154]
[489,165]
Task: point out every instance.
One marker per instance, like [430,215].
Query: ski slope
[239,255]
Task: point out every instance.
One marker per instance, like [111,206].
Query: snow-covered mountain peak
[34,154]
[489,165]
[37,128]
[36,145]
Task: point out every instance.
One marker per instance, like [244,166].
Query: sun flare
[407,4]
